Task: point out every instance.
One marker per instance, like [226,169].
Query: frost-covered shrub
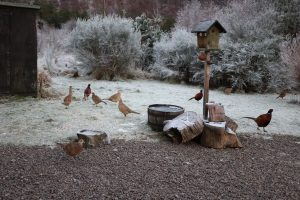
[248,20]
[174,54]
[250,49]
[151,32]
[109,46]
[250,67]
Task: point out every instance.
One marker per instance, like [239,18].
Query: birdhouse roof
[19,5]
[204,26]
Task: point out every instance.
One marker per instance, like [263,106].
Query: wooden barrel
[158,113]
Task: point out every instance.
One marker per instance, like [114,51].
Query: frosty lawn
[43,122]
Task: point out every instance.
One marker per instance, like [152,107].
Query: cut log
[93,138]
[231,124]
[216,112]
[215,135]
[184,127]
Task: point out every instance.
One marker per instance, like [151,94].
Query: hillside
[166,8]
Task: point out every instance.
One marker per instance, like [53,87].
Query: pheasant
[87,92]
[73,148]
[115,97]
[124,109]
[228,90]
[68,98]
[198,96]
[262,120]
[282,94]
[97,99]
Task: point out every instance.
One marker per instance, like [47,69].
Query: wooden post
[206,84]
[104,8]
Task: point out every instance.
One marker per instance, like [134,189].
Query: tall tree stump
[216,135]
[216,112]
[184,127]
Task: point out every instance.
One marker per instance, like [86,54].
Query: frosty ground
[31,121]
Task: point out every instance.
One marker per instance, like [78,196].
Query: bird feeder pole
[104,7]
[206,84]
[208,33]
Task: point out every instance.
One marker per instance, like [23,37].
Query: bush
[108,46]
[174,54]
[151,32]
[250,50]
[247,66]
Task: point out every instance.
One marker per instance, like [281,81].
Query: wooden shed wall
[4,51]
[18,51]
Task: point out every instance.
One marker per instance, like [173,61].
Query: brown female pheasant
[68,98]
[115,97]
[73,148]
[97,99]
[124,109]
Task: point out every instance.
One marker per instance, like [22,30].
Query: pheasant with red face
[262,120]
[198,96]
[87,92]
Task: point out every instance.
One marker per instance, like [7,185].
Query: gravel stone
[263,169]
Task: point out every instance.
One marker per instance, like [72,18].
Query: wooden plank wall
[4,51]
[20,51]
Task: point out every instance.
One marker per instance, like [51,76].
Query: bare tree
[290,55]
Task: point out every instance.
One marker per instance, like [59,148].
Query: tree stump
[93,138]
[184,127]
[216,112]
[216,135]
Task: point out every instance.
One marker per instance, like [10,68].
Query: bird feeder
[208,34]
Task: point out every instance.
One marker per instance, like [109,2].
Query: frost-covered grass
[37,122]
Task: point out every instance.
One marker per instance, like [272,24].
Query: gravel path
[263,169]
